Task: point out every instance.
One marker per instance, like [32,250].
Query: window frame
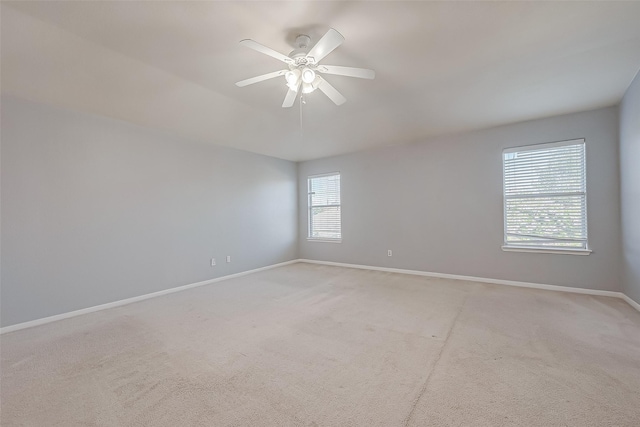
[541,249]
[310,238]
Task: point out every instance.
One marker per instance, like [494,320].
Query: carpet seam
[423,389]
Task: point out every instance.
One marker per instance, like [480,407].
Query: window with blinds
[545,199]
[324,207]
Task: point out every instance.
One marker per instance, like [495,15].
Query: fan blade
[266,50]
[331,92]
[361,73]
[290,98]
[331,40]
[261,78]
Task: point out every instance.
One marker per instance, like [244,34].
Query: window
[324,207]
[545,198]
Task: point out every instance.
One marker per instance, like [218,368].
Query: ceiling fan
[304,68]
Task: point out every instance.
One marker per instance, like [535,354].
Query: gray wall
[438,205]
[95,210]
[630,188]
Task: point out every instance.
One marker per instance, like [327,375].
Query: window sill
[547,250]
[315,239]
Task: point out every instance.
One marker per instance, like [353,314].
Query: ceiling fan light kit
[304,69]
[308,76]
[292,77]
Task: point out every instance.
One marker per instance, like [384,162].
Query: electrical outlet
[213,262]
[389,253]
[228,258]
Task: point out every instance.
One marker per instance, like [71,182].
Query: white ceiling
[441,67]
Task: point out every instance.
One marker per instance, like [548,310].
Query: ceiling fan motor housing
[299,54]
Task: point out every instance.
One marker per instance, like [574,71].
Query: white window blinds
[545,202]
[324,206]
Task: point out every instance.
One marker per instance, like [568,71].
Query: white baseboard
[484,280]
[631,302]
[119,303]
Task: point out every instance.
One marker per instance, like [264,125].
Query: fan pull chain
[302,101]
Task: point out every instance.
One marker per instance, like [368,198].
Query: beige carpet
[309,345]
